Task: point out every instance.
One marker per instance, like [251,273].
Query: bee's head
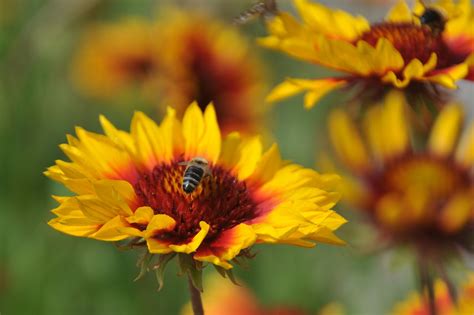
[200,161]
[434,19]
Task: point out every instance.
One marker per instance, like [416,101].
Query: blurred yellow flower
[398,52]
[205,60]
[175,59]
[416,305]
[421,194]
[115,59]
[129,185]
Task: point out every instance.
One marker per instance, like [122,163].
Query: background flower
[415,193]
[204,59]
[416,305]
[115,60]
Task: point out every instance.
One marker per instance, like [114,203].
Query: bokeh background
[45,272]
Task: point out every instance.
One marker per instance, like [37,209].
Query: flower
[205,60]
[129,186]
[416,305]
[416,193]
[399,52]
[115,59]
[176,58]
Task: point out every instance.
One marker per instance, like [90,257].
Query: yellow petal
[386,127]
[457,212]
[227,246]
[158,223]
[400,13]
[195,242]
[74,226]
[148,140]
[171,132]
[118,193]
[283,90]
[110,231]
[117,136]
[250,154]
[347,141]
[445,132]
[142,215]
[317,89]
[465,150]
[211,139]
[448,77]
[334,23]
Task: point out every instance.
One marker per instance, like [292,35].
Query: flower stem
[195,298]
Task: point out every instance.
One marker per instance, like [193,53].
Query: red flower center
[222,80]
[412,41]
[136,67]
[221,200]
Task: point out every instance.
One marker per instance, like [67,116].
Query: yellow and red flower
[399,52]
[417,305]
[417,193]
[129,185]
[116,59]
[177,58]
[205,60]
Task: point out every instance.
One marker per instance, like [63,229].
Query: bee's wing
[185,163]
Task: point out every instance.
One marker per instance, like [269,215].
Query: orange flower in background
[224,298]
[205,60]
[115,60]
[420,194]
[416,305]
[134,186]
[176,59]
[400,52]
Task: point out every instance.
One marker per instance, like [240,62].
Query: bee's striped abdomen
[192,177]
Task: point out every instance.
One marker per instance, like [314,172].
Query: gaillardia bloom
[204,60]
[416,305]
[419,194]
[130,186]
[115,59]
[400,52]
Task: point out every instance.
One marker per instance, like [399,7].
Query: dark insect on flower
[434,19]
[195,171]
[265,9]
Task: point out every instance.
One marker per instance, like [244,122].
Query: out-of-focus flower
[417,305]
[178,58]
[116,59]
[130,185]
[204,60]
[399,52]
[224,298]
[417,193]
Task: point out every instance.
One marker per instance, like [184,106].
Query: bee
[433,19]
[195,171]
[264,8]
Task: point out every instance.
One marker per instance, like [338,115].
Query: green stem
[196,300]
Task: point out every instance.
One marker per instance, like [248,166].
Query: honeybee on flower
[129,187]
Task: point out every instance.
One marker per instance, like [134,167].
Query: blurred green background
[45,272]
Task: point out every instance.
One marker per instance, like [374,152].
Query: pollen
[221,200]
[412,41]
